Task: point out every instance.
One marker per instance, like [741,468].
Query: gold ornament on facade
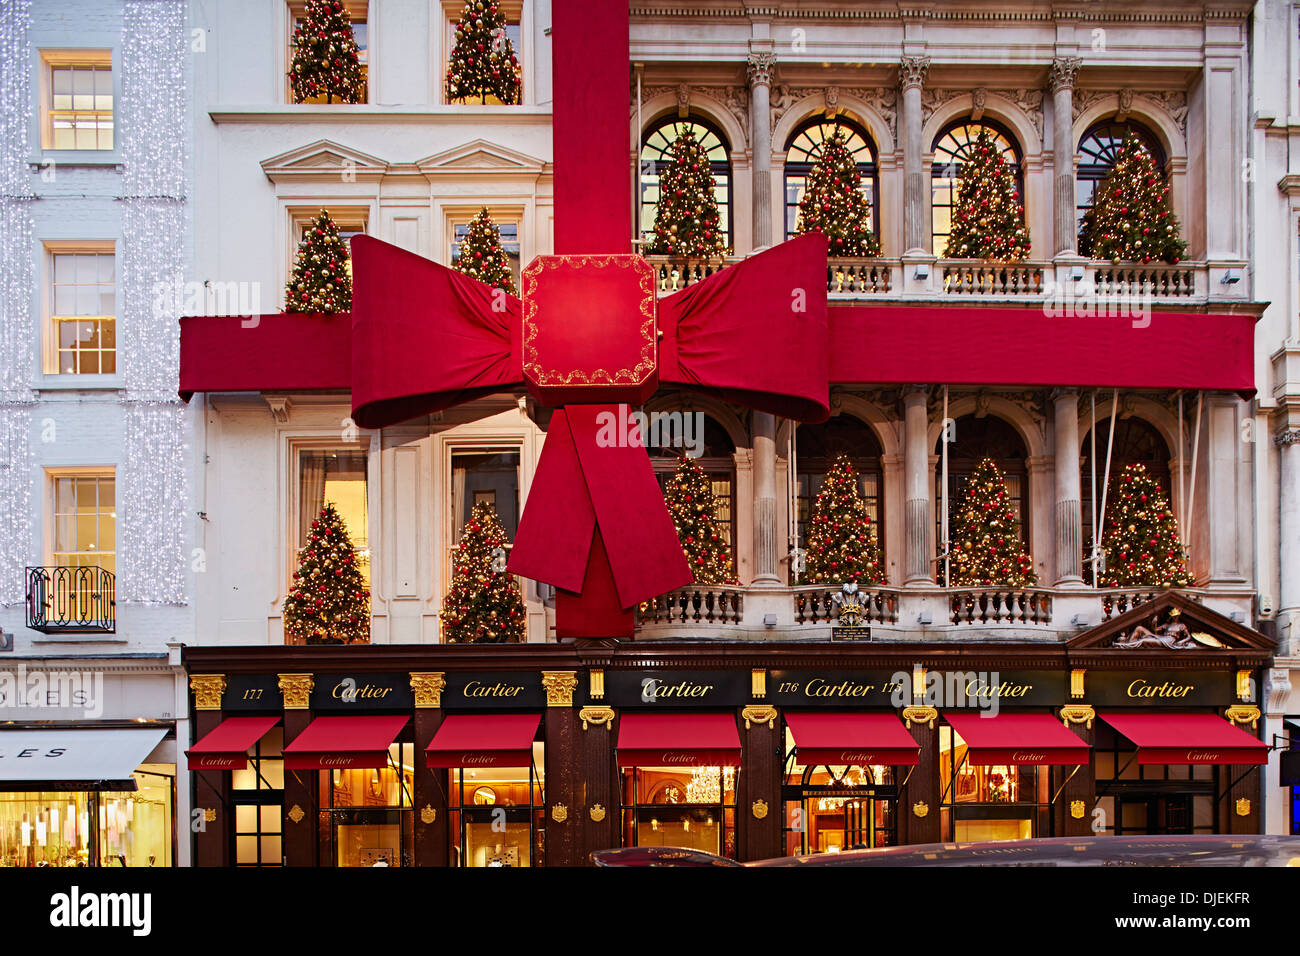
[296,690]
[1242,714]
[758,682]
[759,714]
[295,813]
[759,809]
[428,687]
[209,814]
[1245,686]
[208,689]
[920,809]
[919,714]
[560,686]
[559,813]
[598,716]
[1078,714]
[428,814]
[1243,806]
[1077,809]
[1076,682]
[596,683]
[597,813]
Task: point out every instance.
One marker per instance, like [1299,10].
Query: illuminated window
[656,154]
[85,520]
[367,816]
[77,105]
[993,802]
[829,809]
[358,12]
[514,11]
[350,220]
[257,793]
[689,807]
[817,447]
[496,813]
[951,151]
[335,476]
[1098,150]
[717,458]
[82,306]
[508,228]
[1136,442]
[805,148]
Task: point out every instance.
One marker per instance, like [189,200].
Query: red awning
[484,740]
[338,743]
[1018,739]
[837,739]
[678,740]
[1188,738]
[225,746]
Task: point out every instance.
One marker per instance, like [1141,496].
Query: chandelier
[707,784]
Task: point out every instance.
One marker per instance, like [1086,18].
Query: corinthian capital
[911,71]
[760,68]
[1064,70]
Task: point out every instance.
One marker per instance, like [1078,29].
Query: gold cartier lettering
[1140,688]
[683,689]
[982,688]
[342,691]
[818,687]
[479,689]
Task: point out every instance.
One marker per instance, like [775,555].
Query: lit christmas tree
[320,281]
[689,496]
[326,61]
[483,61]
[328,602]
[483,605]
[842,547]
[988,218]
[1131,218]
[481,256]
[986,549]
[833,203]
[686,216]
[1141,536]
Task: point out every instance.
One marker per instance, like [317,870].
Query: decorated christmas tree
[689,496]
[988,218]
[481,256]
[833,203]
[842,547]
[326,61]
[686,216]
[328,602]
[1131,218]
[483,605]
[320,281]
[1141,539]
[986,549]
[483,61]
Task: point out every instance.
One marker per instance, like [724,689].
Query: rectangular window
[77,100]
[689,807]
[366,815]
[351,221]
[335,476]
[1007,802]
[85,520]
[509,232]
[358,12]
[514,11]
[496,814]
[485,475]
[82,307]
[257,794]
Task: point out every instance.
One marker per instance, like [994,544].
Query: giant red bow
[589,333]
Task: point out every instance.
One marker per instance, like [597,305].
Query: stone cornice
[1025,11]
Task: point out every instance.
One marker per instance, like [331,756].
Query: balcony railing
[709,604]
[71,600]
[816,604]
[1157,280]
[1001,606]
[967,278]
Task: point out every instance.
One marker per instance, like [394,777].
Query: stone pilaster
[765,531]
[916,485]
[1061,83]
[1069,518]
[916,224]
[760,79]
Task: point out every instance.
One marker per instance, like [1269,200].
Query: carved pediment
[482,157]
[1173,623]
[324,159]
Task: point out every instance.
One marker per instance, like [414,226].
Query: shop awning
[91,759]
[1018,739]
[338,743]
[484,740]
[678,740]
[225,746]
[1187,738]
[837,739]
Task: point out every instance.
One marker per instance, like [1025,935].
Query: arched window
[1136,442]
[717,458]
[951,151]
[656,153]
[817,446]
[1098,150]
[805,148]
[977,439]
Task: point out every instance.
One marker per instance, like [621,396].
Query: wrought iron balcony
[71,600]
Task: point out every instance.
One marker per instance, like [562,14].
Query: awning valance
[678,740]
[87,759]
[225,746]
[1010,739]
[836,739]
[1181,737]
[484,740]
[340,743]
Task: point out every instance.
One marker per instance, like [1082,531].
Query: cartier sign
[1008,687]
[252,692]
[357,692]
[1161,688]
[676,689]
[807,688]
[494,690]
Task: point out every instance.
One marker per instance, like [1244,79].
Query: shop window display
[994,802]
[366,814]
[496,814]
[833,808]
[689,807]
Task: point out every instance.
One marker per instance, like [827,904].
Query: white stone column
[1069,520]
[916,227]
[1227,490]
[760,80]
[765,556]
[1288,600]
[1060,81]
[916,473]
